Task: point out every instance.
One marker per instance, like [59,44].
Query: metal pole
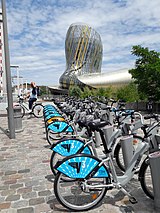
[17,80]
[11,125]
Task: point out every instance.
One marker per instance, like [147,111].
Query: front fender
[67,147]
[82,166]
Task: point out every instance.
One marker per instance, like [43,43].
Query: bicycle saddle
[96,126]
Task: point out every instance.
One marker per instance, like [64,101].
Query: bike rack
[97,139]
[108,131]
[127,149]
[155,173]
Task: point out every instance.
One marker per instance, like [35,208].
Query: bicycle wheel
[119,155]
[53,137]
[38,110]
[146,178]
[55,157]
[72,195]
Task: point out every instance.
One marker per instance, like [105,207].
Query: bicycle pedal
[133,200]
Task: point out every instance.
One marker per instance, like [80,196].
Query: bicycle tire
[38,110]
[53,137]
[118,152]
[75,195]
[53,160]
[145,178]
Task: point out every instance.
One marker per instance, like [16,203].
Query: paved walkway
[26,181]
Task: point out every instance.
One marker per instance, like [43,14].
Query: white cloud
[37,31]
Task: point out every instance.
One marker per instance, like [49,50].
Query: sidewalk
[26,181]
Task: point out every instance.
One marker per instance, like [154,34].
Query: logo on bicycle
[76,165]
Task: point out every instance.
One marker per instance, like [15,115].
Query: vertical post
[26,87]
[11,125]
[17,80]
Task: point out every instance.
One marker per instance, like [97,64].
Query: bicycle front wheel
[146,178]
[72,195]
[38,110]
[55,157]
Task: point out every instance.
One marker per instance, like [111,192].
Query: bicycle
[37,109]
[90,177]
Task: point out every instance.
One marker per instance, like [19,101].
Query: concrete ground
[26,181]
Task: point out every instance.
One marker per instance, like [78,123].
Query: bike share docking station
[154,160]
[127,149]
[108,130]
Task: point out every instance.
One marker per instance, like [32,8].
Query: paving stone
[29,195]
[10,172]
[24,171]
[32,183]
[26,210]
[1,173]
[2,199]
[12,177]
[10,210]
[24,190]
[44,193]
[8,192]
[4,187]
[43,208]
[19,204]
[36,201]
[5,205]
[12,197]
[39,188]
[10,181]
[15,186]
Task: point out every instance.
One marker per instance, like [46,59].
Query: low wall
[142,106]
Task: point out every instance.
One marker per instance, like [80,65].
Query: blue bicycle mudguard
[60,126]
[51,113]
[82,166]
[67,147]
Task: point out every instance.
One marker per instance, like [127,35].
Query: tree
[128,93]
[75,91]
[147,72]
[86,92]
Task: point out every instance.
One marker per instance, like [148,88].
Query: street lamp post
[11,125]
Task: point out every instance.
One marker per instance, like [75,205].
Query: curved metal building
[83,49]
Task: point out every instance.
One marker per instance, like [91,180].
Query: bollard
[127,149]
[17,118]
[154,159]
[97,139]
[108,131]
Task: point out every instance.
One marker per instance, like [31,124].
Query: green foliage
[104,92]
[43,90]
[147,72]
[128,93]
[86,92]
[75,91]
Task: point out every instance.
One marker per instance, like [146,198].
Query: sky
[37,31]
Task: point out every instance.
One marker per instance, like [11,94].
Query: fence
[142,106]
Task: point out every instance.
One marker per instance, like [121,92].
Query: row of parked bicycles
[91,142]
